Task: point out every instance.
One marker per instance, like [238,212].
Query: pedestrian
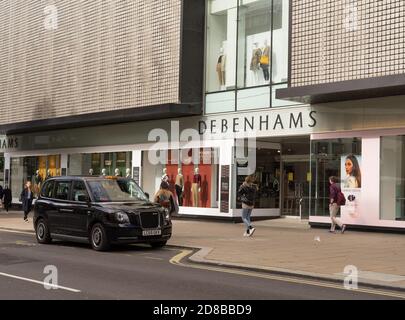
[165,198]
[27,196]
[1,194]
[335,196]
[7,198]
[247,195]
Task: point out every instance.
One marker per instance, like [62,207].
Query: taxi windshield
[116,190]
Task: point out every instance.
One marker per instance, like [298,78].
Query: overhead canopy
[345,90]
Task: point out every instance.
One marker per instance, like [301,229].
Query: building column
[137,166]
[225,183]
[7,169]
[64,158]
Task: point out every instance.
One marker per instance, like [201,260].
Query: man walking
[7,198]
[334,194]
[27,197]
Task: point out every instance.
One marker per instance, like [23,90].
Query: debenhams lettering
[269,122]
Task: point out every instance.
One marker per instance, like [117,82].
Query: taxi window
[79,191]
[62,190]
[47,189]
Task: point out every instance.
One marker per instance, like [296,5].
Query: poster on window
[351,188]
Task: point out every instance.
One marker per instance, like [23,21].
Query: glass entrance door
[295,190]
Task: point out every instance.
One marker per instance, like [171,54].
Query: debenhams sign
[278,122]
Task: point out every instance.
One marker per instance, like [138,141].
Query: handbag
[264,60]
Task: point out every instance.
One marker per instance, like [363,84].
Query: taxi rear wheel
[98,238]
[42,232]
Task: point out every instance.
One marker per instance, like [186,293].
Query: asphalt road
[136,273]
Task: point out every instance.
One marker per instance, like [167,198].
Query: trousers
[196,194]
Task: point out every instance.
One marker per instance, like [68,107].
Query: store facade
[346,61]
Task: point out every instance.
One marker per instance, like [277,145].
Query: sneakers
[332,231]
[343,228]
[246,234]
[252,231]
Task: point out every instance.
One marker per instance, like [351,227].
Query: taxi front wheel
[98,238]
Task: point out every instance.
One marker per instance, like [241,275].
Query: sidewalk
[287,246]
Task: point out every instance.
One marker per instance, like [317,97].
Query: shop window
[192,174]
[221,45]
[34,169]
[280,34]
[392,178]
[254,43]
[109,164]
[340,158]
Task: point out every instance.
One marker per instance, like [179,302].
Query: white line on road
[17,232]
[39,282]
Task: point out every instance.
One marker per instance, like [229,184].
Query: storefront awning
[165,111]
[345,90]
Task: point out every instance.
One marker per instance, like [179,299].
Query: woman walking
[247,195]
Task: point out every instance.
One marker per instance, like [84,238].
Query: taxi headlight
[122,217]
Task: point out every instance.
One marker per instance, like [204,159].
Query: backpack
[340,199]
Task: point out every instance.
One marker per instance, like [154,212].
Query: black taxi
[101,211]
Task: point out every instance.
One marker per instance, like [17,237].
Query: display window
[254,43]
[247,48]
[341,158]
[34,169]
[221,44]
[192,174]
[392,184]
[107,163]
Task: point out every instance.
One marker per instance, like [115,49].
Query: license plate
[148,233]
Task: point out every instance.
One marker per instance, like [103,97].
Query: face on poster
[351,187]
[351,171]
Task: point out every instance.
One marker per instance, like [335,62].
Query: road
[138,273]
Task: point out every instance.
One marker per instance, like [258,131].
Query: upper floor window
[247,44]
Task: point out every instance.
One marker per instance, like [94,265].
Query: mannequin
[165,177]
[128,173]
[104,172]
[265,61]
[117,172]
[91,172]
[221,65]
[255,63]
[180,186]
[48,174]
[196,187]
[37,182]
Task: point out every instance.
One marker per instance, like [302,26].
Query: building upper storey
[345,50]
[77,63]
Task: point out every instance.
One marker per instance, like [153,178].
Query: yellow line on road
[184,253]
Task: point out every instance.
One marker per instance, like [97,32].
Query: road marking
[154,258]
[17,232]
[176,260]
[39,282]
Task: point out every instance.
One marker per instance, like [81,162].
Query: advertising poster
[351,188]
